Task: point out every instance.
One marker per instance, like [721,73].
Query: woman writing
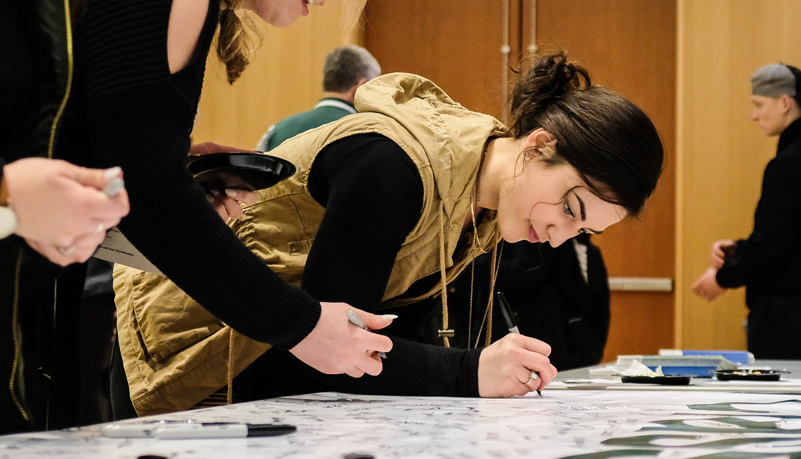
[387,207]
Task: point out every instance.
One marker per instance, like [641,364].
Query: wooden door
[628,45]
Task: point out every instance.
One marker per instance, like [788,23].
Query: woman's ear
[542,142]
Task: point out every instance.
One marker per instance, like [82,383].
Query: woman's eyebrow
[583,214]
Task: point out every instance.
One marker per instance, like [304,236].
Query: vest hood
[437,122]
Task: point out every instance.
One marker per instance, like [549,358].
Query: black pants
[121,406]
[774,326]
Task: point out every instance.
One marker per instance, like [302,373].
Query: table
[560,424]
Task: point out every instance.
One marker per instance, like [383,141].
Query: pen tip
[539,392]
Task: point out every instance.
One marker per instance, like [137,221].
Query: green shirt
[327,110]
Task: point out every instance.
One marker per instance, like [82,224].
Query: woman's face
[551,204]
[280,13]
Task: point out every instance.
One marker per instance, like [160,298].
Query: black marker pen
[221,430]
[511,324]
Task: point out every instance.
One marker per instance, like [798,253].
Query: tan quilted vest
[176,353]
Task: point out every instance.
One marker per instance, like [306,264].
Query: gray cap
[773,80]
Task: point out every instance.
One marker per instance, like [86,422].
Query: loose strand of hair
[234,44]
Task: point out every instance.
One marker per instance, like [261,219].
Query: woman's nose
[559,240]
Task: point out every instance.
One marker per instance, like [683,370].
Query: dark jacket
[548,294]
[769,261]
[34,86]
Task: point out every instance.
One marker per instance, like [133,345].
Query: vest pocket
[300,246]
[168,320]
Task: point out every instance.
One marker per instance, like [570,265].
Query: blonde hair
[235,42]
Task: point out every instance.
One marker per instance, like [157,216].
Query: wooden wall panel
[715,155]
[721,152]
[285,77]
[458,46]
[629,45]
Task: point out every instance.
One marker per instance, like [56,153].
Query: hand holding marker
[355,320]
[509,318]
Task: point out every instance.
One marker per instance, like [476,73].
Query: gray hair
[345,66]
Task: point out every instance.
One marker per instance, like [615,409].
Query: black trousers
[774,326]
[121,406]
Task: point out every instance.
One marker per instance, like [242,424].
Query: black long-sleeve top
[769,260]
[129,111]
[373,196]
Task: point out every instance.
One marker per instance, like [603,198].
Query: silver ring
[534,376]
[66,250]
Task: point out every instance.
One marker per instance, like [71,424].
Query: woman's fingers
[337,346]
[505,367]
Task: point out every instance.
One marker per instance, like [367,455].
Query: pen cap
[269,430]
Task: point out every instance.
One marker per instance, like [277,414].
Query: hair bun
[550,77]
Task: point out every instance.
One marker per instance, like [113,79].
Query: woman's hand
[336,346]
[707,285]
[722,250]
[61,208]
[226,204]
[505,367]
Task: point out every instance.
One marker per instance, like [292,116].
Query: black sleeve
[373,196]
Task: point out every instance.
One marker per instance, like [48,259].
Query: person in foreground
[139,73]
[345,69]
[387,207]
[53,213]
[768,262]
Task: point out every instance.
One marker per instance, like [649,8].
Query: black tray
[241,170]
[666,380]
[750,374]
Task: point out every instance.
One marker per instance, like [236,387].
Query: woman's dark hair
[611,142]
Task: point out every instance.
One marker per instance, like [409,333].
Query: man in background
[768,263]
[345,69]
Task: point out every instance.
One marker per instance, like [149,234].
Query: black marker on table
[511,324]
[189,429]
[222,430]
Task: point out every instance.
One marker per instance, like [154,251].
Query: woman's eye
[567,209]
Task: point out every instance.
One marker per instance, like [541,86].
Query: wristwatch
[8,222]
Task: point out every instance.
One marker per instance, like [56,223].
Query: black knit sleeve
[373,195]
[139,117]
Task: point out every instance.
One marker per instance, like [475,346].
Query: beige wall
[284,77]
[721,152]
